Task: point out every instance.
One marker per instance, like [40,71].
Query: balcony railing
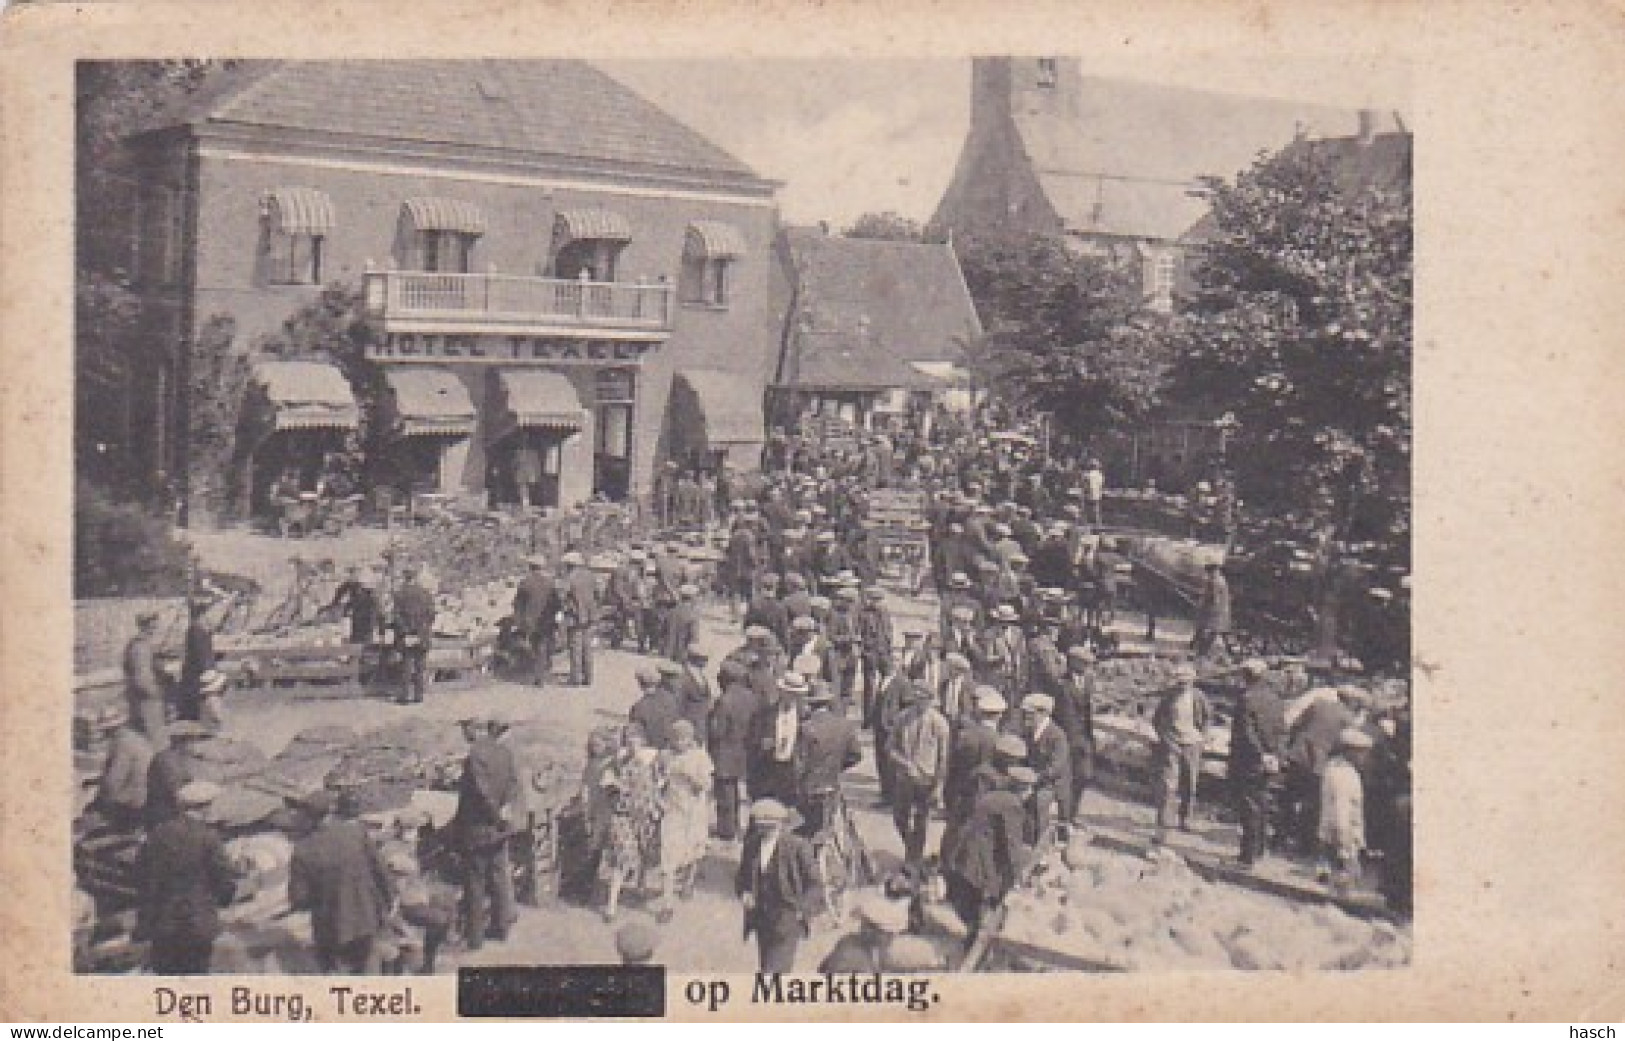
[432,301]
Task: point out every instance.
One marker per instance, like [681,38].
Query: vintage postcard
[850,512]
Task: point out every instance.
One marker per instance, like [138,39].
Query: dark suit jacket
[338,876]
[828,747]
[536,602]
[769,612]
[1075,707]
[186,878]
[490,781]
[972,748]
[787,891]
[656,711]
[414,611]
[730,729]
[1257,730]
[1051,759]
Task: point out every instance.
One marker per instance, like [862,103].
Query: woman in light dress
[686,813]
[633,780]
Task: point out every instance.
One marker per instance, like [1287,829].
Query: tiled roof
[864,308]
[553,108]
[1125,158]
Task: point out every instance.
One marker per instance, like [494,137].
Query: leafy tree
[220,373]
[1065,332]
[1301,325]
[888,224]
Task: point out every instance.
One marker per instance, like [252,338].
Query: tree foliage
[1065,332]
[889,225]
[1301,325]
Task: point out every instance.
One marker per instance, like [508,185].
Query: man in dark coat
[778,884]
[683,623]
[845,632]
[990,852]
[482,825]
[1255,748]
[579,610]
[656,709]
[414,631]
[185,878]
[828,748]
[729,736]
[1075,715]
[1052,560]
[339,876]
[875,627]
[536,611]
[767,610]
[197,659]
[355,599]
[694,692]
[973,749]
[797,601]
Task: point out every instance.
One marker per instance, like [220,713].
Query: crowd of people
[983,719]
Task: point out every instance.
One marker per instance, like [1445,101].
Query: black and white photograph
[895,515]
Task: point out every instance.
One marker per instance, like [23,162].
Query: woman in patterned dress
[633,780]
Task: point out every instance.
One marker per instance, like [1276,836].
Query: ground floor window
[615,391]
[523,468]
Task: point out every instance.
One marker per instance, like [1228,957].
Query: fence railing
[519,299]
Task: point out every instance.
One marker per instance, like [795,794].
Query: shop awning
[299,211]
[714,240]
[600,224]
[436,213]
[430,401]
[538,399]
[730,407]
[307,395]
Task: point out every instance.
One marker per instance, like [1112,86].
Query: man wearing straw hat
[185,878]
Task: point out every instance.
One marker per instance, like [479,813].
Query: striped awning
[538,399]
[436,213]
[299,211]
[591,224]
[430,401]
[714,240]
[307,395]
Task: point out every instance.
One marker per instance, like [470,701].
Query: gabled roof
[863,309]
[1122,158]
[536,108]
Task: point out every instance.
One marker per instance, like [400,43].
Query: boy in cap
[778,885]
[185,877]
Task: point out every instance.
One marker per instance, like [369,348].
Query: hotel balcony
[517,305]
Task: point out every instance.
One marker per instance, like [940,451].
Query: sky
[850,136]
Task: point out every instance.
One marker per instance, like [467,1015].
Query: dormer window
[1047,74]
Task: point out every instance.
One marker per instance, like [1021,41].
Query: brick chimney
[1368,125]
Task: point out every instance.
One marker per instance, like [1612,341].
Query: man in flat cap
[414,631]
[682,622]
[1256,735]
[918,744]
[973,748]
[1051,759]
[767,610]
[535,612]
[185,877]
[482,824]
[777,883]
[657,706]
[774,740]
[1180,722]
[580,613]
[828,748]
[729,741]
[1075,715]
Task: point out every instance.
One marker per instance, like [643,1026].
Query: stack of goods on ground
[1090,905]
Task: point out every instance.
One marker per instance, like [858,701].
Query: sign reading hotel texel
[507,349]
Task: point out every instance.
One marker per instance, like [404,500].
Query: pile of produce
[1123,912]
